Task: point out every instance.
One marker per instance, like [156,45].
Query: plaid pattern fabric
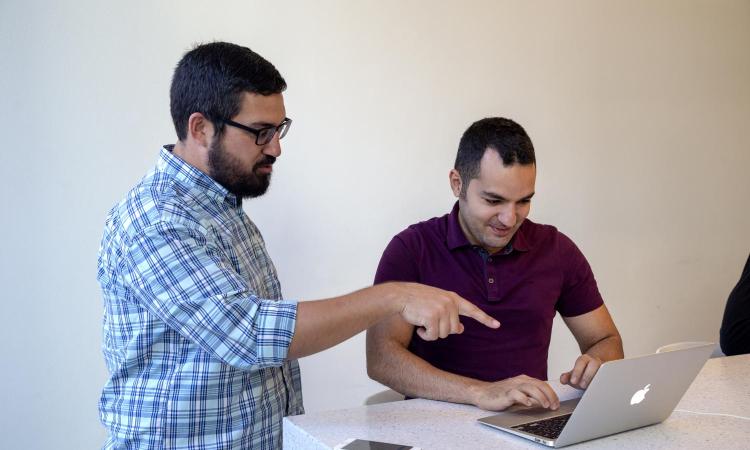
[195,334]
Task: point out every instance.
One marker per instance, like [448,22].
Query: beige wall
[639,111]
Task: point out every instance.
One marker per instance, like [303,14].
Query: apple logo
[640,395]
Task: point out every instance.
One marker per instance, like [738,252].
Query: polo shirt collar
[520,240]
[455,237]
[194,178]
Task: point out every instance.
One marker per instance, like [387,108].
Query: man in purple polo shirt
[517,271]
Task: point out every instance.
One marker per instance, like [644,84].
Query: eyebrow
[262,124]
[494,196]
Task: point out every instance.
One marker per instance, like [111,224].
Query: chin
[492,244]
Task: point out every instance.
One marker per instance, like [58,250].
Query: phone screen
[359,444]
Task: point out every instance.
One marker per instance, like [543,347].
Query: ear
[200,130]
[455,180]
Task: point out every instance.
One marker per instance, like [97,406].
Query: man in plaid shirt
[200,346]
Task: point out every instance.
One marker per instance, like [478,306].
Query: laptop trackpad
[517,415]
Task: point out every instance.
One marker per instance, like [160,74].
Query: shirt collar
[456,238]
[191,176]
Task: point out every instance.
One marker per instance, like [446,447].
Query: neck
[192,156]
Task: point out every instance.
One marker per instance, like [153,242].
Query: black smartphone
[361,444]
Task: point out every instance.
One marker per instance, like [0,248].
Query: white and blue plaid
[195,337]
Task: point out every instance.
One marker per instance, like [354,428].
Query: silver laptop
[625,394]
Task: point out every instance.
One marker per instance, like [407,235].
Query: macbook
[624,394]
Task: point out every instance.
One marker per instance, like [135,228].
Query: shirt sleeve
[192,286]
[580,294]
[735,326]
[397,263]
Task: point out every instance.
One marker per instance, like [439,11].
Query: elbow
[374,366]
[371,371]
[376,373]
[375,361]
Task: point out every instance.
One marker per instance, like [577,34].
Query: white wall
[639,112]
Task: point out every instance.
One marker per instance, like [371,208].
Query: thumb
[425,334]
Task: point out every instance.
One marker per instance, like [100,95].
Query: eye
[491,201]
[265,132]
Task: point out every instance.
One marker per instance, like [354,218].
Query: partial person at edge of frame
[735,326]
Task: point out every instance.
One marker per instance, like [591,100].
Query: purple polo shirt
[538,274]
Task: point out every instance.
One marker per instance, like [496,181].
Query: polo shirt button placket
[493,286]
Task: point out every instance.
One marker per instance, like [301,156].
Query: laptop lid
[626,394]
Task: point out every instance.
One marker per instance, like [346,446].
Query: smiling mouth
[500,231]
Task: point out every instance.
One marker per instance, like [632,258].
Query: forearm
[322,324]
[395,366]
[596,334]
[607,349]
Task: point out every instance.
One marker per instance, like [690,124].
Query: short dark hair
[211,78]
[505,136]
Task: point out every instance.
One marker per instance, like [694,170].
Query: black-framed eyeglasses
[263,135]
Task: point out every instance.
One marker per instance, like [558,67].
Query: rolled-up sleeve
[190,284]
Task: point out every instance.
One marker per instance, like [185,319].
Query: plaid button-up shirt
[195,335]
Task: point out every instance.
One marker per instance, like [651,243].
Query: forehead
[261,109]
[512,182]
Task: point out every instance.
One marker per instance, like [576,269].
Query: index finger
[536,393]
[468,309]
[549,393]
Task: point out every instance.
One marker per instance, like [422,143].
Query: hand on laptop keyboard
[521,390]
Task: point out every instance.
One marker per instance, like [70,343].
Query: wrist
[476,391]
[402,295]
[593,356]
[386,295]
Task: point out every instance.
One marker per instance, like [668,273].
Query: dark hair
[505,136]
[211,78]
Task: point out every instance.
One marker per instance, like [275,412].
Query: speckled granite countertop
[723,386]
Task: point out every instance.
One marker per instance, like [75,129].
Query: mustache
[267,160]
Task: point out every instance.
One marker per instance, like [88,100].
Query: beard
[227,170]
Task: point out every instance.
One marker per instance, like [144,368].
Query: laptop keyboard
[549,428]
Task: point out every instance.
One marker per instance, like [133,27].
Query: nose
[273,148]
[507,215]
